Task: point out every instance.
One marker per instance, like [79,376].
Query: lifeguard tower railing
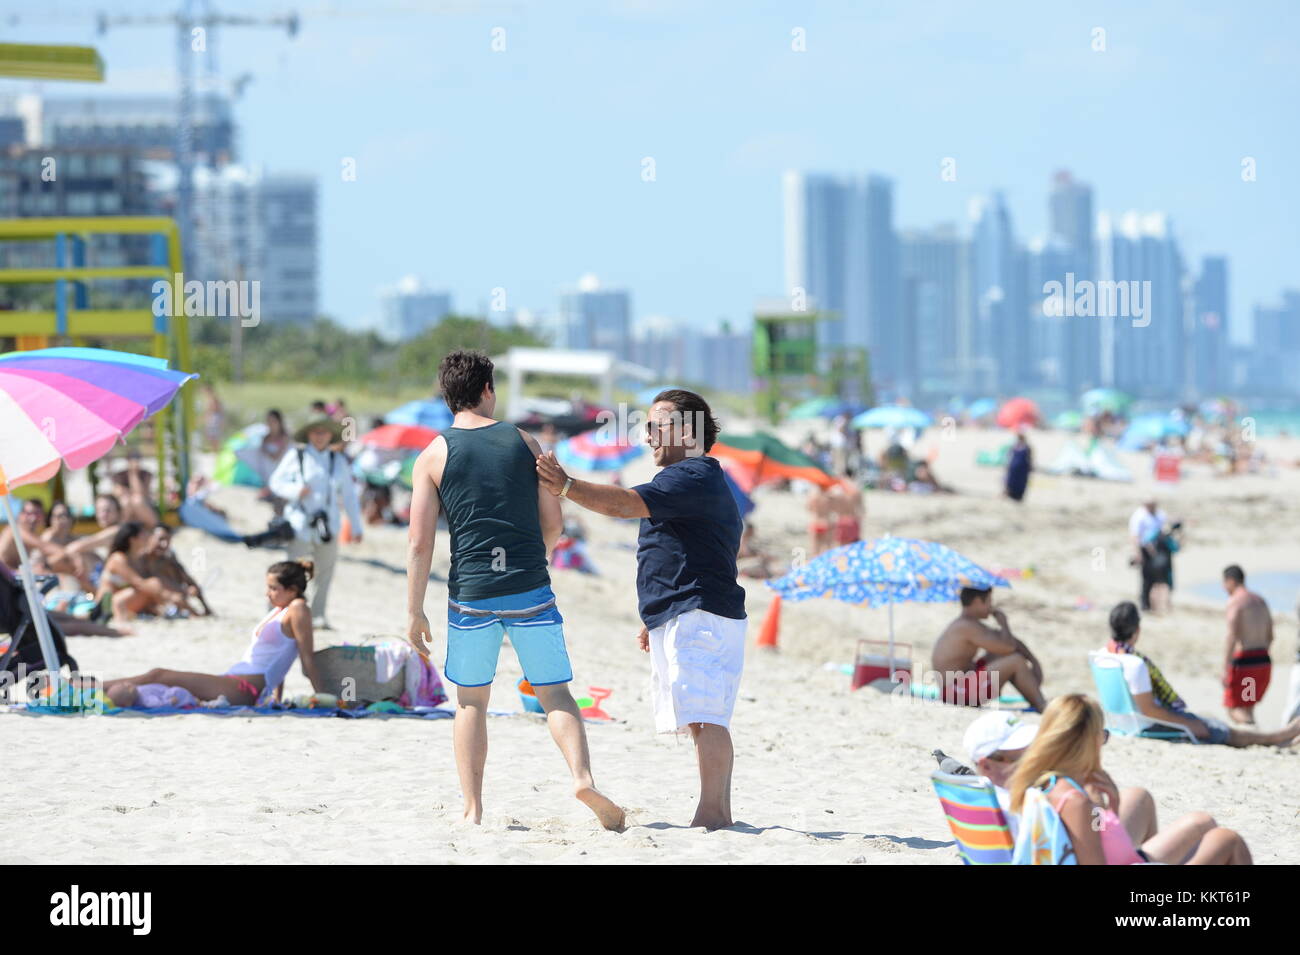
[72,319]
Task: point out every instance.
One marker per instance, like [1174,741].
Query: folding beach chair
[1122,715]
[16,621]
[975,818]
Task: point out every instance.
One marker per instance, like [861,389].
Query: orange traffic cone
[767,633]
[345,530]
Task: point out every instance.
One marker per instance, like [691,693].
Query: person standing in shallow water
[481,474]
[692,608]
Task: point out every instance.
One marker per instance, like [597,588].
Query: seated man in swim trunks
[1248,667]
[1156,699]
[975,659]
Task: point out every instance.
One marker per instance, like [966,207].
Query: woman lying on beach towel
[284,635]
[1064,764]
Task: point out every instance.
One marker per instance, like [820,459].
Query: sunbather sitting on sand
[975,659]
[1064,760]
[123,583]
[284,635]
[1155,698]
[995,742]
[161,561]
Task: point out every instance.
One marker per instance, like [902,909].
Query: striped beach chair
[975,818]
[1122,715]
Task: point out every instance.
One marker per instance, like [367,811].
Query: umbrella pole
[37,607]
[891,641]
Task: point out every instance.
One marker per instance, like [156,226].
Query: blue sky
[522,169]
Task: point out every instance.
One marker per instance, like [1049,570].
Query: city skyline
[444,134]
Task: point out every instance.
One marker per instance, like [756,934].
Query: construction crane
[195,22]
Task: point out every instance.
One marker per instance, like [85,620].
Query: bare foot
[607,811]
[711,822]
[472,816]
[1242,715]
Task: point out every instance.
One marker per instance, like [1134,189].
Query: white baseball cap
[998,730]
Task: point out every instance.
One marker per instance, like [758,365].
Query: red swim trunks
[847,530]
[1248,679]
[969,688]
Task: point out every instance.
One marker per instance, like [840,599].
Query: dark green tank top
[489,495]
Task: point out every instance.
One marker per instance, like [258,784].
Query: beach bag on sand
[1042,838]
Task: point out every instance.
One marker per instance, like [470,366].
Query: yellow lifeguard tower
[71,318]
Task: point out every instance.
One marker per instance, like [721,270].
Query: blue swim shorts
[475,629]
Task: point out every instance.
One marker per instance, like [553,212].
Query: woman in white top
[284,635]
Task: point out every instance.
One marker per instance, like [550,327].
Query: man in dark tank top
[481,475]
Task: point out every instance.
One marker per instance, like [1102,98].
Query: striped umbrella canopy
[597,451]
[761,457]
[409,437]
[69,406]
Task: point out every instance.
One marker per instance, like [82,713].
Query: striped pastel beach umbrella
[69,406]
[886,571]
[597,451]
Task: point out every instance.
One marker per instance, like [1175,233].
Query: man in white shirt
[1144,527]
[315,479]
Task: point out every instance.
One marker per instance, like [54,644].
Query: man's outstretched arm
[606,499]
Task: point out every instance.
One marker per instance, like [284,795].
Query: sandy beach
[823,775]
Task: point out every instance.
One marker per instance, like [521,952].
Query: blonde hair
[1067,744]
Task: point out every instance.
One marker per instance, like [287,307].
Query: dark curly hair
[462,376]
[694,411]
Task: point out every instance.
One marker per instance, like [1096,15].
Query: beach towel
[267,709]
[1164,693]
[422,685]
[1042,839]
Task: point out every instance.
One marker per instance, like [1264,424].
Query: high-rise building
[77,181]
[251,225]
[146,124]
[998,287]
[595,317]
[933,263]
[1209,365]
[1070,215]
[290,271]
[1274,368]
[1051,259]
[1146,345]
[841,249]
[718,360]
[410,308]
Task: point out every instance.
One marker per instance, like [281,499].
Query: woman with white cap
[316,480]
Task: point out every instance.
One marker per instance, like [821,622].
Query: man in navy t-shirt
[692,609]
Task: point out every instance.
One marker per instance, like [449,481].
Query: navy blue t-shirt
[686,552]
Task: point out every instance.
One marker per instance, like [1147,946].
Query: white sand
[822,775]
